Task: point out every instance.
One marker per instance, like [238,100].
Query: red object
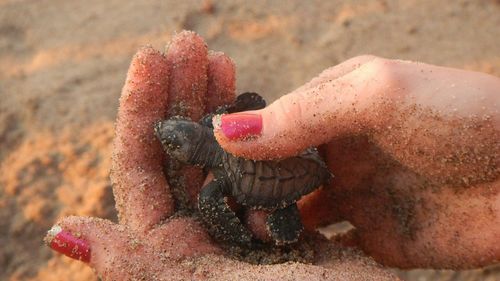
[68,245]
[241,125]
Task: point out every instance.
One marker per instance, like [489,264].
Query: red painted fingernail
[67,244]
[241,125]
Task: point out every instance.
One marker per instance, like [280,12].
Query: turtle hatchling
[270,185]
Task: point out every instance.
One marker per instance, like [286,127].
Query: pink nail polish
[241,125]
[67,244]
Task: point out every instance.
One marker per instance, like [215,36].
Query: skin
[383,124]
[150,242]
[414,150]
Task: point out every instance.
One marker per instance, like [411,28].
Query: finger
[94,241]
[220,90]
[112,250]
[116,254]
[139,186]
[256,221]
[338,71]
[221,81]
[317,209]
[350,104]
[187,59]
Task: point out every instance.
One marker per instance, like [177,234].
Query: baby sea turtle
[269,185]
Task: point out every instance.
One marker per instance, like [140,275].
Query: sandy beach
[63,64]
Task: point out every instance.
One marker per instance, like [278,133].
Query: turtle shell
[274,184]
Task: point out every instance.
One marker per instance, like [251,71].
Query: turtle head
[180,138]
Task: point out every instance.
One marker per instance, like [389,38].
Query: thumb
[309,116]
[91,240]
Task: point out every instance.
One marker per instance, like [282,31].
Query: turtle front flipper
[285,225]
[243,102]
[222,221]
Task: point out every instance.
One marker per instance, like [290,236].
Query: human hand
[150,242]
[414,149]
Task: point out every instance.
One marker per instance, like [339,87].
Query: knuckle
[292,108]
[289,108]
[382,71]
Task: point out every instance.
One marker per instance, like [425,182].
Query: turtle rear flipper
[243,102]
[285,225]
[222,221]
[246,101]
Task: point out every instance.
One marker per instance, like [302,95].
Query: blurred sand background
[62,65]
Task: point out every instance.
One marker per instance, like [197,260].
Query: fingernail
[241,125]
[67,244]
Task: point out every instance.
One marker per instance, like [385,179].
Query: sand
[63,63]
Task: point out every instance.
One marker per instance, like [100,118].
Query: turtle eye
[173,140]
[168,133]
